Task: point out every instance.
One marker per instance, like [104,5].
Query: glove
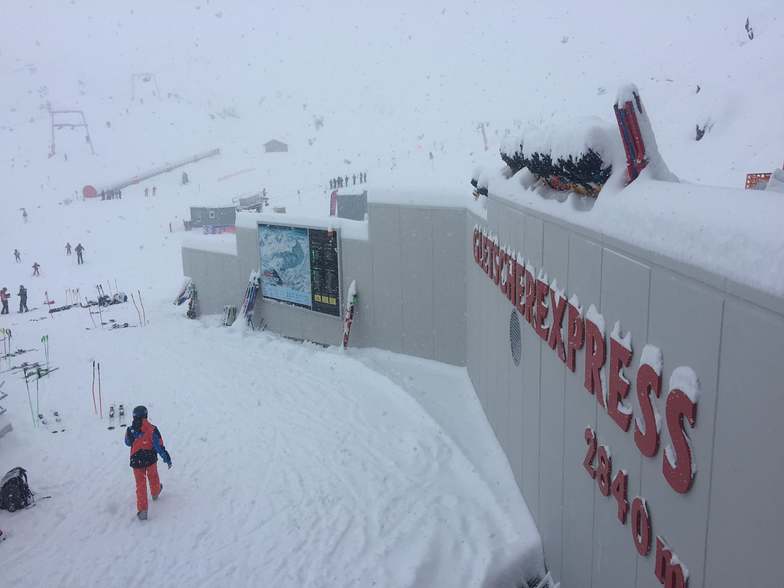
[169,464]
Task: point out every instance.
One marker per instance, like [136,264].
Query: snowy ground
[294,465]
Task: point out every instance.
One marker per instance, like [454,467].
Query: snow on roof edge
[349,229]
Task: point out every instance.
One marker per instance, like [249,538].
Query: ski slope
[294,465]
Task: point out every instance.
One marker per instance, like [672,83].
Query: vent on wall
[515,343]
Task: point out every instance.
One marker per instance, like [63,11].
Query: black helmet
[140,412]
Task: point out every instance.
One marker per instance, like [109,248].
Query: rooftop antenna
[68,119]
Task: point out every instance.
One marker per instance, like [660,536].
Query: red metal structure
[632,137]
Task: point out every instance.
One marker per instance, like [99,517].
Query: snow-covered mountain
[380,86]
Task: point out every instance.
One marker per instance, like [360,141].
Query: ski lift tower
[68,119]
[144,78]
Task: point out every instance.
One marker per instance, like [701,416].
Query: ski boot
[142,514]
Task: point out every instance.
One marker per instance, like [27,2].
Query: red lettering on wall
[619,488]
[641,526]
[542,289]
[558,306]
[680,474]
[590,439]
[519,281]
[647,381]
[511,285]
[574,335]
[477,245]
[604,470]
[668,569]
[486,254]
[496,263]
[618,386]
[594,360]
[504,282]
[530,295]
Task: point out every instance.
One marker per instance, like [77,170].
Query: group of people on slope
[5,296]
[79,252]
[79,249]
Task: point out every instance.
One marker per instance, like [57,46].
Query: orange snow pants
[141,475]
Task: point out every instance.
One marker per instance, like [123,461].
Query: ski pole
[100,400]
[144,314]
[29,399]
[95,408]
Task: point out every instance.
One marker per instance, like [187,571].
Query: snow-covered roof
[734,233]
[349,229]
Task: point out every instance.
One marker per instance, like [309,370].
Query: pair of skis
[348,317]
[119,414]
[249,300]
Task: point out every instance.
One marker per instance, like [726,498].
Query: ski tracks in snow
[293,466]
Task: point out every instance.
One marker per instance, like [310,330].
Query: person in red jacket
[146,445]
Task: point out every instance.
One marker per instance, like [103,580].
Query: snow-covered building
[275,146]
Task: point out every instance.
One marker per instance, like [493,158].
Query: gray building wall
[725,532]
[411,289]
[421,293]
[222,216]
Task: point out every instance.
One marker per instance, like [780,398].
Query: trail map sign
[300,266]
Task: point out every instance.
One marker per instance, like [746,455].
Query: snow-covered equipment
[182,293]
[348,319]
[186,293]
[15,493]
[639,141]
[229,315]
[574,156]
[193,302]
[251,294]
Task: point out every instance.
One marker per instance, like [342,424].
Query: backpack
[14,490]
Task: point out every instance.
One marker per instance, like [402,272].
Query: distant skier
[353,179]
[24,215]
[185,179]
[17,256]
[154,190]
[79,250]
[4,296]
[23,299]
[36,267]
[146,192]
[146,445]
[346,183]
[68,249]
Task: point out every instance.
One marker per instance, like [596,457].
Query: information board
[300,266]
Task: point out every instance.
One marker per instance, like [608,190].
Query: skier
[36,267]
[24,215]
[353,179]
[154,190]
[79,249]
[23,299]
[68,249]
[146,445]
[4,296]
[146,192]
[17,256]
